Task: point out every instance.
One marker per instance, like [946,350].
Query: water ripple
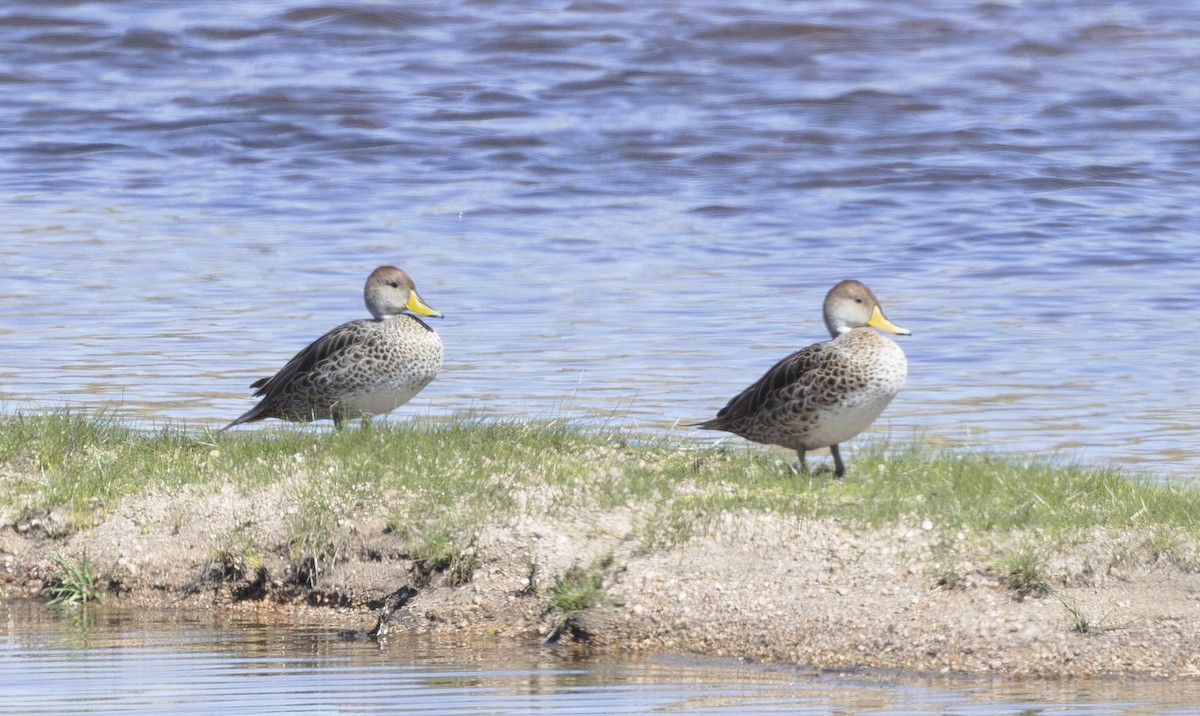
[619,207]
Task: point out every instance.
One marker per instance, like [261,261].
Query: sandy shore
[918,597]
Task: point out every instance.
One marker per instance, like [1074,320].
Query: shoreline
[762,587]
[918,562]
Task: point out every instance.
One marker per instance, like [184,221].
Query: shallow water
[626,211]
[109,661]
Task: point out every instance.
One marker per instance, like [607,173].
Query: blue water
[627,211]
[109,661]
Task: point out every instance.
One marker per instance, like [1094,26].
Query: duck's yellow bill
[878,320]
[417,306]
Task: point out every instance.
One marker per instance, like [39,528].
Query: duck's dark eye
[393,284]
[858,300]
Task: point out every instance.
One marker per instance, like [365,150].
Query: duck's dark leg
[801,467]
[839,469]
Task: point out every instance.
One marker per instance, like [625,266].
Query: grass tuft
[75,585]
[444,552]
[1080,621]
[573,593]
[1024,571]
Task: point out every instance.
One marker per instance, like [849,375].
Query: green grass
[440,481]
[1080,621]
[75,584]
[1024,571]
[444,550]
[573,593]
[579,589]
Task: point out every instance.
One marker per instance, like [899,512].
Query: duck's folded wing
[328,347]
[793,375]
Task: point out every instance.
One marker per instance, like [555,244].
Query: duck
[362,368]
[826,393]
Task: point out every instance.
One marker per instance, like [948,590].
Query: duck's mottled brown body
[361,368]
[828,392]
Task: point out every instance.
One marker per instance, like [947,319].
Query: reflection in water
[106,660]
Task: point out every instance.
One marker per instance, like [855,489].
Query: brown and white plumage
[828,392]
[361,368]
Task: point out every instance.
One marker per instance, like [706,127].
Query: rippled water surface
[627,211]
[107,661]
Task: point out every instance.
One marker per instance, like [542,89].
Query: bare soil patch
[921,598]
